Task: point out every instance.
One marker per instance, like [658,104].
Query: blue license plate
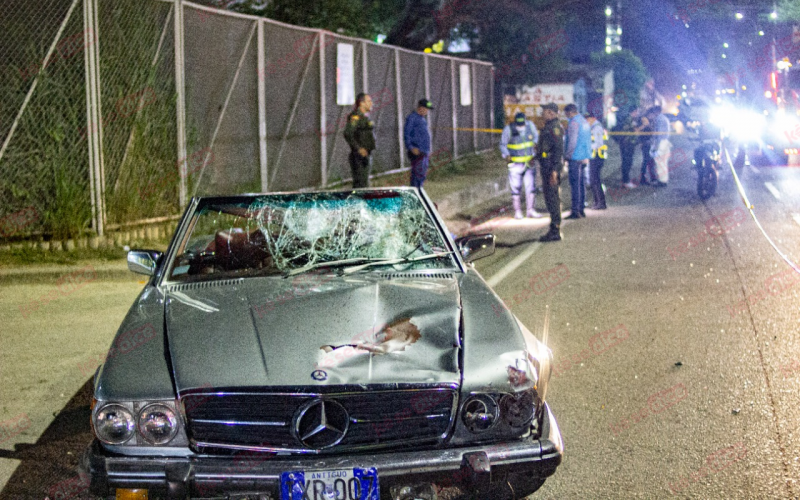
[339,484]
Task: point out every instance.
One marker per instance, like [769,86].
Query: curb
[119,239]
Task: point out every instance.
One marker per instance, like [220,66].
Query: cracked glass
[289,233]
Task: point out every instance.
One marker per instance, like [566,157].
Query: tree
[359,18]
[789,10]
[522,37]
[630,76]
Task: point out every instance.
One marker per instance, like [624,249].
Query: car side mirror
[476,247]
[144,261]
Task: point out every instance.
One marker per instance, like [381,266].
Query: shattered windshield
[289,233]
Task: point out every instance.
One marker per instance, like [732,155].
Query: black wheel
[706,182]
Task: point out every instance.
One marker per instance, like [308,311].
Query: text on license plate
[343,484]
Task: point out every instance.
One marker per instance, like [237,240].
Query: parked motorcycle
[707,158]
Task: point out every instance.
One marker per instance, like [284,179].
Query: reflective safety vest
[602,151]
[521,145]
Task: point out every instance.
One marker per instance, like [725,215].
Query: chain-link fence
[91,135]
[44,179]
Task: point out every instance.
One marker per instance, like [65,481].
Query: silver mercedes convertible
[327,345]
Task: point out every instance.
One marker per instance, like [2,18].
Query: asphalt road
[696,396]
[675,337]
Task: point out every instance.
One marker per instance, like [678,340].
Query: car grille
[377,419]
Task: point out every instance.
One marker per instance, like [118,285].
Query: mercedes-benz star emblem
[321,424]
[319,375]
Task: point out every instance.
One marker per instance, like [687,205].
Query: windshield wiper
[328,263]
[389,262]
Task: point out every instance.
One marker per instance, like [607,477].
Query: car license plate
[343,484]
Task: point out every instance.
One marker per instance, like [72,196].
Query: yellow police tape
[500,131]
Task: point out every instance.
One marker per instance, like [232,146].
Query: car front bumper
[214,476]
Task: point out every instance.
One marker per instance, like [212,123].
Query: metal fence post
[473,88]
[426,73]
[94,114]
[180,107]
[398,88]
[323,122]
[491,97]
[262,109]
[453,101]
[364,72]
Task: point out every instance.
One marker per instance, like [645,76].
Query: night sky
[669,49]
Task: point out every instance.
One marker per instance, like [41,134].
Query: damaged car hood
[362,329]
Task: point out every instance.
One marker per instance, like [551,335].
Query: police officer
[517,145]
[551,154]
[358,134]
[596,163]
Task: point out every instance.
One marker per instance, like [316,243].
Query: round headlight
[517,410]
[158,424]
[479,413]
[114,424]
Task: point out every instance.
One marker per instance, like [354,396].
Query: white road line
[754,169]
[511,266]
[796,218]
[773,190]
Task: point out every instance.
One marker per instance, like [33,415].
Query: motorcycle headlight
[157,424]
[114,424]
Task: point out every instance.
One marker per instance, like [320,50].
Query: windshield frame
[197,204]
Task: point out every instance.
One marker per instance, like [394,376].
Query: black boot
[553,235]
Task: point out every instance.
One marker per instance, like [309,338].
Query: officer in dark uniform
[551,157]
[358,134]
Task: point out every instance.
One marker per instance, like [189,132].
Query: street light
[773,15]
[739,16]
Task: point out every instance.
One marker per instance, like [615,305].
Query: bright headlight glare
[741,124]
[114,424]
[157,424]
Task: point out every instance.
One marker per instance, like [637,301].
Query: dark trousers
[551,193]
[359,165]
[648,164]
[595,166]
[419,168]
[577,186]
[626,151]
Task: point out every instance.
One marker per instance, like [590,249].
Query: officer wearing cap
[551,154]
[517,144]
[359,135]
[417,140]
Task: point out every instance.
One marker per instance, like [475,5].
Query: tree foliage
[789,10]
[630,76]
[359,18]
[517,35]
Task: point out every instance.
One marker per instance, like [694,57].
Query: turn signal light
[126,494]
